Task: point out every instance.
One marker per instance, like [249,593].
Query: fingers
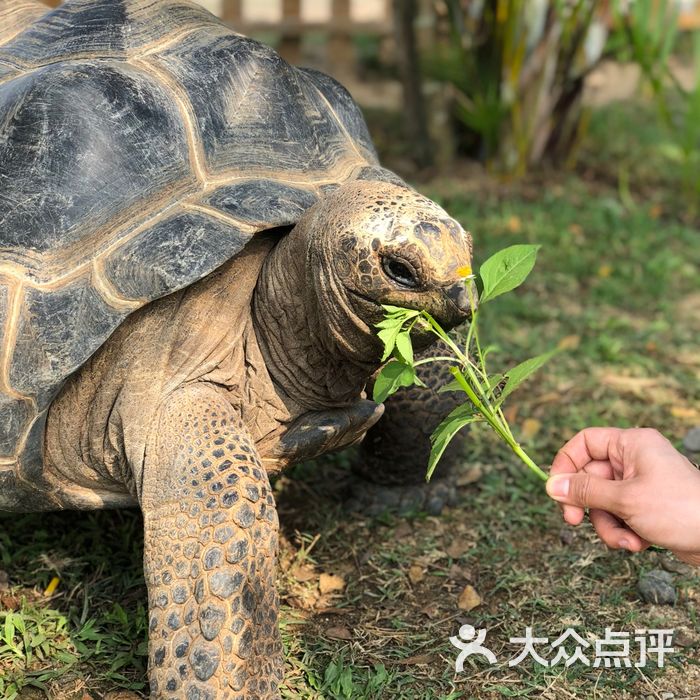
[586,446]
[574,514]
[586,490]
[615,533]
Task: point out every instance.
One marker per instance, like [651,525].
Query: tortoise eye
[400,272]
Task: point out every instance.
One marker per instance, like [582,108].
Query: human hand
[638,487]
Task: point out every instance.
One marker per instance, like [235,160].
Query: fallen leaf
[530,428]
[514,224]
[332,611]
[328,583]
[457,548]
[339,632]
[655,211]
[688,358]
[404,529]
[468,599]
[685,412]
[638,386]
[416,573]
[511,412]
[549,397]
[303,573]
[416,660]
[458,573]
[569,342]
[9,602]
[431,611]
[472,475]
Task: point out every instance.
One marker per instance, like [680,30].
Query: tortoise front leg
[210,556]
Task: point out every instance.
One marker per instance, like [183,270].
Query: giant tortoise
[197,239]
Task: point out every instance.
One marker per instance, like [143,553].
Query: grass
[617,284]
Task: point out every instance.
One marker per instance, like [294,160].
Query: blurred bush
[647,34]
[517,69]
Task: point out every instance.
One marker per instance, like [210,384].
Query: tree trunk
[409,68]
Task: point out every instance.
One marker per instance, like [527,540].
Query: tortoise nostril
[459,296]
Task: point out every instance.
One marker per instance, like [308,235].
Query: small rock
[468,599]
[566,536]
[691,441]
[657,587]
[684,638]
[675,566]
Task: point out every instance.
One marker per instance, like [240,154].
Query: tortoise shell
[142,143]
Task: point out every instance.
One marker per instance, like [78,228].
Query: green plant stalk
[494,418]
[498,426]
[501,273]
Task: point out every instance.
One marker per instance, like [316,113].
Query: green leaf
[454,385]
[400,311]
[389,322]
[521,372]
[388,337]
[404,347]
[443,434]
[392,377]
[506,270]
[390,328]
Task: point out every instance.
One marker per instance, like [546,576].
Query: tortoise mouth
[364,297]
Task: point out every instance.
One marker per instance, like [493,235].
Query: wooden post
[341,54]
[290,44]
[409,69]
[232,12]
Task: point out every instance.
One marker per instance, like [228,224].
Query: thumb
[585,490]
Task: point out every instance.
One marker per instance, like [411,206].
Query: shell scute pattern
[160,142]
[82,144]
[253,110]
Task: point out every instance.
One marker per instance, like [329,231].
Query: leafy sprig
[485,392]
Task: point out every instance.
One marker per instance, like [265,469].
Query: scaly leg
[210,556]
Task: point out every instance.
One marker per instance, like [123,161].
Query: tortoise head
[379,243]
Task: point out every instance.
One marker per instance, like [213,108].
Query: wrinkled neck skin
[318,351]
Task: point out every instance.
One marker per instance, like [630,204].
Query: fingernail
[558,487]
[624,543]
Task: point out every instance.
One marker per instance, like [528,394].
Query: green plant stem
[435,359]
[526,459]
[500,427]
